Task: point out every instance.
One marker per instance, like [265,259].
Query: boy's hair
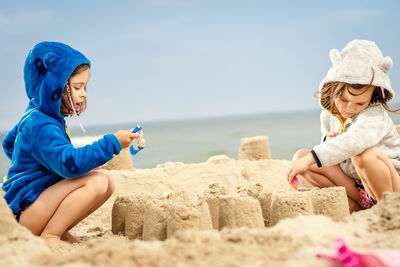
[332,90]
[65,108]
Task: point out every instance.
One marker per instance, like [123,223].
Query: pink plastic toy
[295,183]
[349,258]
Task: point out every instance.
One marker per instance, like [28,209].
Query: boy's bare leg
[376,172]
[66,203]
[331,176]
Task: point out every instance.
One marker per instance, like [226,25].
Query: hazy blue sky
[168,59]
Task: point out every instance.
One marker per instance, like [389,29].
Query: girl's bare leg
[68,237]
[64,204]
[110,191]
[72,239]
[376,172]
[331,176]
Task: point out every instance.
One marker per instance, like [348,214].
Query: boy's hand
[331,135]
[125,137]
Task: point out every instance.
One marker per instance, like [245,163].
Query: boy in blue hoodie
[51,186]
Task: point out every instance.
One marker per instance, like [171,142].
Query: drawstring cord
[73,107]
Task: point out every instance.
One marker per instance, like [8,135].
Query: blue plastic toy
[132,149]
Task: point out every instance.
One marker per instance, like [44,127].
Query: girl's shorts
[348,168]
[367,200]
[17,215]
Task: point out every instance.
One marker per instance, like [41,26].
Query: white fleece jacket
[372,127]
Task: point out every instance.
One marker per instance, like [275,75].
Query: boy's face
[78,84]
[349,105]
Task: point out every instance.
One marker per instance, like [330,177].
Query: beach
[260,219]
[176,124]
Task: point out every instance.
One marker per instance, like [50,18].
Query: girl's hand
[331,135]
[142,142]
[125,137]
[298,166]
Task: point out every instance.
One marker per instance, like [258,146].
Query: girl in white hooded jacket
[360,146]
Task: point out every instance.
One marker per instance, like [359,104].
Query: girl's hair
[332,90]
[65,108]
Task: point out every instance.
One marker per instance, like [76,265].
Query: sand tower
[122,161]
[157,212]
[331,202]
[118,214]
[189,215]
[240,211]
[254,148]
[265,199]
[212,196]
[286,205]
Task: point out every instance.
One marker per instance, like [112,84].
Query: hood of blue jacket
[47,69]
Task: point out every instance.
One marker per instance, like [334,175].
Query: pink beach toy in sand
[295,183]
[349,258]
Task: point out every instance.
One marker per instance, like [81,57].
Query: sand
[255,219]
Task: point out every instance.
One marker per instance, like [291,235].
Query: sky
[158,60]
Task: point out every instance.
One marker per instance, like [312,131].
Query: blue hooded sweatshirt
[39,147]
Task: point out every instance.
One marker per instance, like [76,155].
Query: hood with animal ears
[48,67]
[357,63]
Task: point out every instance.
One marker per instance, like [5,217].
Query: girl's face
[77,85]
[349,105]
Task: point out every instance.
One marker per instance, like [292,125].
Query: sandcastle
[158,217]
[150,216]
[144,215]
[331,202]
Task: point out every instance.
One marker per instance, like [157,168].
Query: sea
[195,140]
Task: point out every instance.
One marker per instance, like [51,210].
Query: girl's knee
[365,157]
[100,183]
[300,153]
[111,184]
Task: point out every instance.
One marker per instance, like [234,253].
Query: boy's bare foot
[54,241]
[70,238]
